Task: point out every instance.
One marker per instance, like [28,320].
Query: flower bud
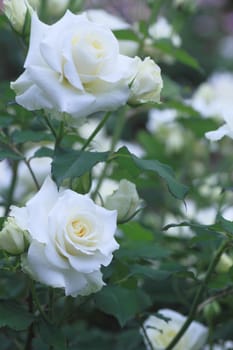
[225,263]
[125,200]
[16,10]
[212,310]
[12,238]
[56,8]
[147,84]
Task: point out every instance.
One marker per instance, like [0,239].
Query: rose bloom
[161,332]
[70,239]
[74,67]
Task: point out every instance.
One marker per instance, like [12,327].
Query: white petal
[197,335]
[20,215]
[89,263]
[38,31]
[63,97]
[82,284]
[29,95]
[40,268]
[38,208]
[218,134]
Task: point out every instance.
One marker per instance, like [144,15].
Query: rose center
[80,228]
[164,337]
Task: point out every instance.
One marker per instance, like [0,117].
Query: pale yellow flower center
[80,228]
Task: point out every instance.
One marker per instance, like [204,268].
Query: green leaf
[136,232]
[140,250]
[5,121]
[225,224]
[147,271]
[125,34]
[51,336]
[14,316]
[131,162]
[180,54]
[163,170]
[122,303]
[198,125]
[33,136]
[8,154]
[204,232]
[170,89]
[182,108]
[44,152]
[72,164]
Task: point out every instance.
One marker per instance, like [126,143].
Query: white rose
[148,83]
[161,332]
[125,200]
[74,67]
[15,11]
[13,239]
[71,238]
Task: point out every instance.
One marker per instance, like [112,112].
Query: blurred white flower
[157,118]
[71,238]
[210,188]
[226,47]
[5,181]
[214,98]
[161,332]
[189,212]
[163,124]
[223,345]
[177,231]
[41,167]
[227,213]
[101,142]
[162,29]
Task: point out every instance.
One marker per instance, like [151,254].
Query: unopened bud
[13,239]
[125,200]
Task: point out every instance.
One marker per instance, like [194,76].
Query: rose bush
[74,67]
[70,239]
